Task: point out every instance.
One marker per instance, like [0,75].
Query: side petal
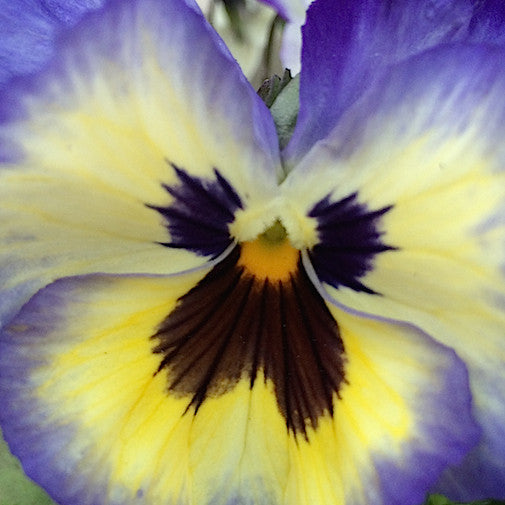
[347,45]
[87,411]
[142,126]
[423,156]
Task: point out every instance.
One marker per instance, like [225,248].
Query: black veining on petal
[349,239]
[232,325]
[200,213]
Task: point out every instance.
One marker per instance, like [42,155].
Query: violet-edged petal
[346,45]
[131,152]
[29,29]
[107,398]
[486,24]
[405,204]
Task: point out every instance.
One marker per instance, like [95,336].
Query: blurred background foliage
[253,33]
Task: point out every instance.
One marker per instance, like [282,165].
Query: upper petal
[346,45]
[423,159]
[29,29]
[142,126]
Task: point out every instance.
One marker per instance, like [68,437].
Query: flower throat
[255,316]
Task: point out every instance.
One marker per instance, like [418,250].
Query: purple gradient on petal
[199,216]
[69,11]
[447,85]
[449,432]
[348,45]
[42,446]
[481,475]
[209,78]
[224,86]
[349,239]
[29,28]
[444,87]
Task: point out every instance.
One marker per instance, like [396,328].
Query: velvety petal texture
[488,22]
[29,28]
[347,45]
[183,321]
[422,153]
[95,421]
[139,126]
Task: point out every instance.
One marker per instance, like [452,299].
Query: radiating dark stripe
[199,215]
[349,239]
[232,326]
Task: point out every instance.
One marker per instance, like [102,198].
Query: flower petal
[87,409]
[142,116]
[398,421]
[423,154]
[347,45]
[28,29]
[69,11]
[488,22]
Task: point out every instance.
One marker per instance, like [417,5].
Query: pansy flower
[191,317]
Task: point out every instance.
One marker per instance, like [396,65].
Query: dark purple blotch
[233,325]
[200,213]
[349,239]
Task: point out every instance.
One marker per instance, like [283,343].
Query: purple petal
[69,11]
[426,142]
[488,22]
[28,29]
[482,472]
[347,45]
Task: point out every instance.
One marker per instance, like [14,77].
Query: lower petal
[87,410]
[402,418]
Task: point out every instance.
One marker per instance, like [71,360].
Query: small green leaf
[271,88]
[284,110]
[437,499]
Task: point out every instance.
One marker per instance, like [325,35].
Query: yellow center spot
[270,256]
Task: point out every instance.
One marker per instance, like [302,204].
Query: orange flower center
[270,256]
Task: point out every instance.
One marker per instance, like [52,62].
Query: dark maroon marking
[349,240]
[232,325]
[200,213]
